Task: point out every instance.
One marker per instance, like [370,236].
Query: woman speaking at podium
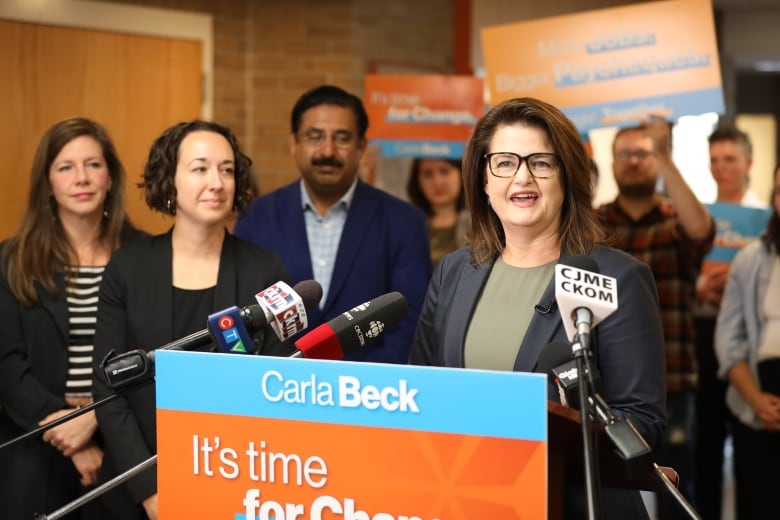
[163,288]
[491,305]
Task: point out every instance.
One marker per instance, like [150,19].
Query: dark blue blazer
[384,248]
[627,347]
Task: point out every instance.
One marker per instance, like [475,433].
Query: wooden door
[135,86]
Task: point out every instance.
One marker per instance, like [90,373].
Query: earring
[170,205]
[105,205]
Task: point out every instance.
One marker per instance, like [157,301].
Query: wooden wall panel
[135,86]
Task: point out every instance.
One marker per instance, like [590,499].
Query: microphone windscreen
[352,329]
[369,320]
[310,292]
[583,262]
[320,343]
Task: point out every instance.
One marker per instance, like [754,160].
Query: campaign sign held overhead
[611,67]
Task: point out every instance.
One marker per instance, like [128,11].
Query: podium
[254,437]
[565,461]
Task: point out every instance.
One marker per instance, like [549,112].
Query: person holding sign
[436,187]
[741,217]
[164,287]
[671,236]
[492,305]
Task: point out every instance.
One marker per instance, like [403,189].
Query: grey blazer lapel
[543,327]
[464,299]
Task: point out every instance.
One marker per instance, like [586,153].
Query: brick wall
[303,43]
[267,53]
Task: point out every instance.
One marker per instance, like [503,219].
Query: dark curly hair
[160,168]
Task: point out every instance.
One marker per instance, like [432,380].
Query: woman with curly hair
[163,288]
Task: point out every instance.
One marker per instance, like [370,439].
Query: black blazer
[136,311]
[628,347]
[33,370]
[34,477]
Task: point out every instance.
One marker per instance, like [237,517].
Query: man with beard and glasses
[357,241]
[671,234]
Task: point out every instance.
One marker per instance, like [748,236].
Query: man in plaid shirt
[671,235]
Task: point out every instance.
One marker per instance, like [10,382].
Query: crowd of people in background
[689,357]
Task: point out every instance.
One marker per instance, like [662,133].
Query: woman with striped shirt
[50,270]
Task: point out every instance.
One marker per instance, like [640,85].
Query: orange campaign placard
[422,116]
[260,438]
[611,67]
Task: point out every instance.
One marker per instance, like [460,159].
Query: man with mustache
[357,241]
[671,234]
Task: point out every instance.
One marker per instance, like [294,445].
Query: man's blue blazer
[384,248]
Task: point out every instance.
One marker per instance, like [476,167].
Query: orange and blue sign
[736,226]
[422,116]
[611,67]
[260,438]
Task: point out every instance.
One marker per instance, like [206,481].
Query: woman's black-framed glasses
[506,164]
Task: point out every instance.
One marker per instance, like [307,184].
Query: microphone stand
[100,490]
[56,422]
[629,444]
[65,418]
[671,488]
[194,340]
[589,445]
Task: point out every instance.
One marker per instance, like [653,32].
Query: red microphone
[352,329]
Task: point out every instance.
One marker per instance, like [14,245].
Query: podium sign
[251,437]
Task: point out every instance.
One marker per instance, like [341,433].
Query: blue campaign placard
[472,402]
[736,226]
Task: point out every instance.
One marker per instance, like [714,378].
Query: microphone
[584,297]
[282,307]
[556,360]
[351,330]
